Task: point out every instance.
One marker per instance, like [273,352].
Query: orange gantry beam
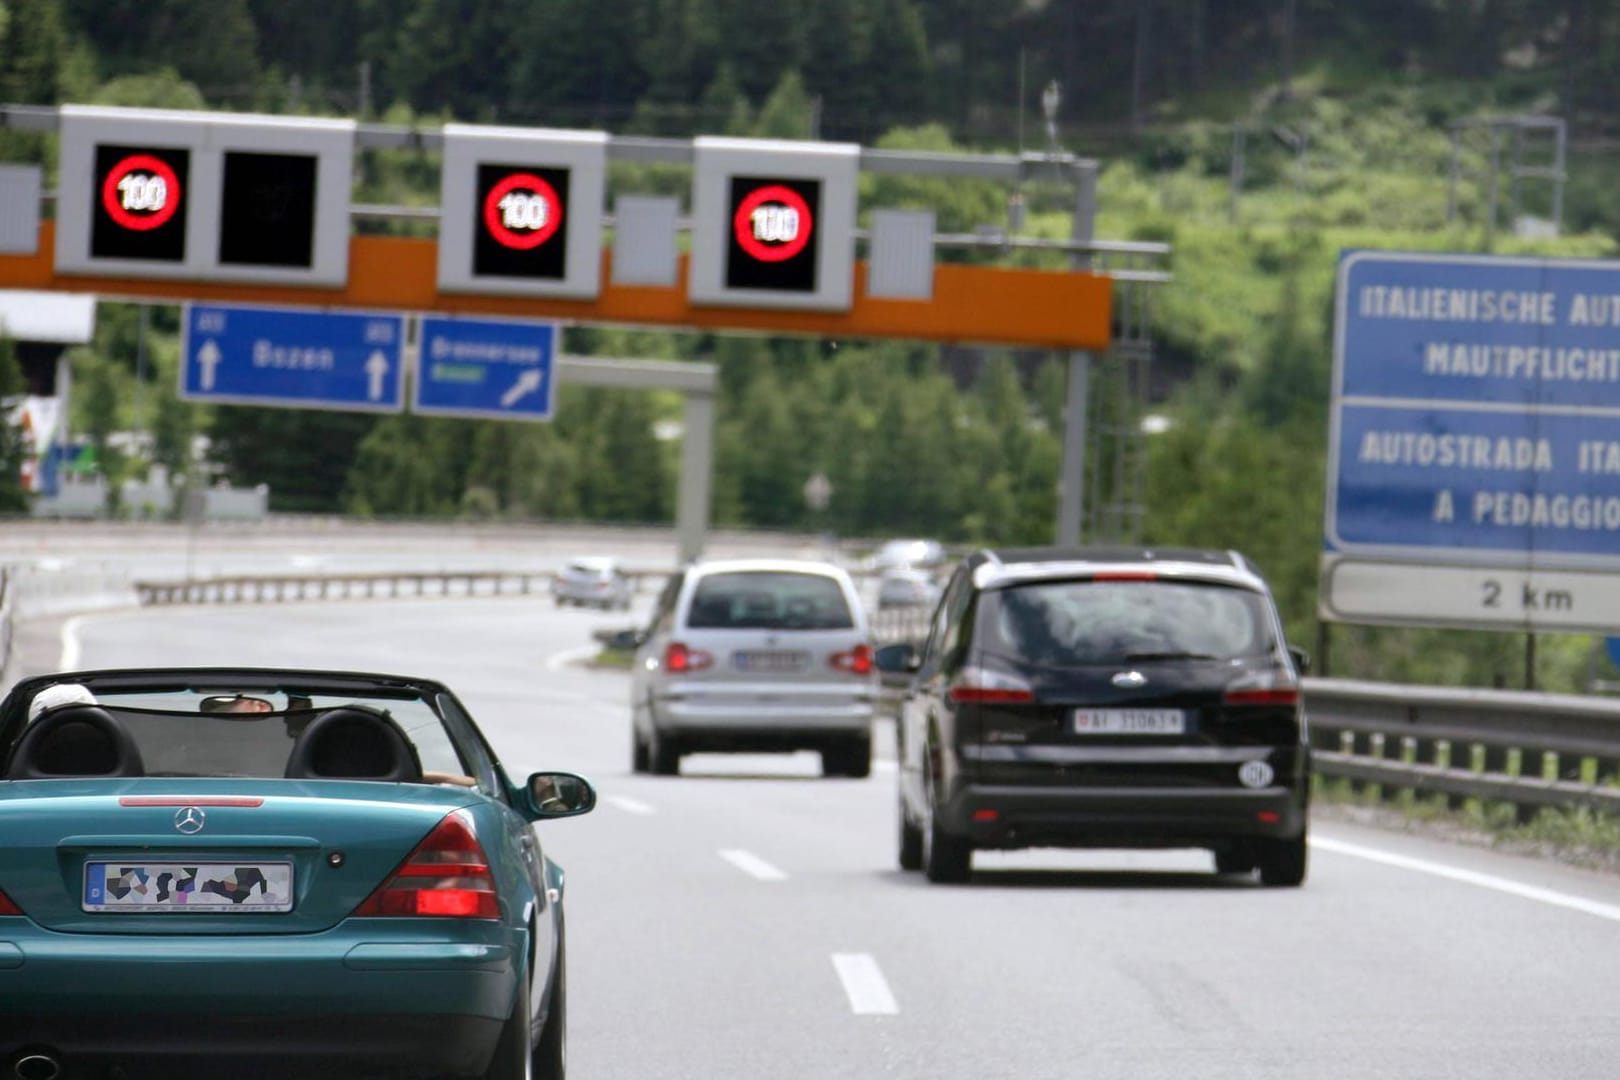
[975,304]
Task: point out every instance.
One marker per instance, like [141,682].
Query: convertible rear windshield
[1069,623]
[769,600]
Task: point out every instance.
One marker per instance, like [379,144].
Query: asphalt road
[747,920]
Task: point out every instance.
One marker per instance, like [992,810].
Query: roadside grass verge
[1578,836]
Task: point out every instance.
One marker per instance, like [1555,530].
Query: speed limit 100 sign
[521,211]
[139,199]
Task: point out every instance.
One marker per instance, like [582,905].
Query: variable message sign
[1474,457]
[773,223]
[204,196]
[522,211]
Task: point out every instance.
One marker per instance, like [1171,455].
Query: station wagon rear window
[769,600]
[1116,622]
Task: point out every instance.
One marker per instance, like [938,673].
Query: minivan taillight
[7,907]
[679,659]
[858,661]
[981,686]
[1262,688]
[448,874]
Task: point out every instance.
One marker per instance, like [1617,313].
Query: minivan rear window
[769,600]
[1061,623]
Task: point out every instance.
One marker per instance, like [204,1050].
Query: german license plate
[763,661]
[159,887]
[1130,722]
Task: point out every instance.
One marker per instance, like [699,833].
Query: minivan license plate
[1130,722]
[766,661]
[159,887]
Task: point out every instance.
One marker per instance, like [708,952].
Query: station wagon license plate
[198,888]
[1129,722]
[768,661]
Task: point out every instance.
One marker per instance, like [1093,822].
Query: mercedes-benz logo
[1130,680]
[189,820]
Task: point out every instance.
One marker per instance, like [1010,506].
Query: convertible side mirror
[901,658]
[557,795]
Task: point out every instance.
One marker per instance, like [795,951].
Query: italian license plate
[761,661]
[159,887]
[1130,722]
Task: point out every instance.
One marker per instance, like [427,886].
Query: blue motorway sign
[297,357]
[489,368]
[1476,410]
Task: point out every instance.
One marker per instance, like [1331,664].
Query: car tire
[1238,860]
[663,756]
[911,841]
[639,757]
[1283,862]
[513,1058]
[551,1052]
[947,859]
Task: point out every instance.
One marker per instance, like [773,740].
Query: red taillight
[448,874]
[858,661]
[1125,575]
[7,907]
[975,685]
[986,815]
[1267,695]
[679,659]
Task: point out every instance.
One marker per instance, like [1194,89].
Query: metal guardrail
[282,588]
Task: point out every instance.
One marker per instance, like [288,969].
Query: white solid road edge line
[70,644]
[1471,877]
[558,661]
[752,865]
[631,806]
[864,985]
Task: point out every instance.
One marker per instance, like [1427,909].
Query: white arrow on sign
[527,383]
[208,358]
[377,371]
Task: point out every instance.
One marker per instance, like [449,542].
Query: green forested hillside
[1258,137]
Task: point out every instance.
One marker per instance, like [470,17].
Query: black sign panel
[772,234]
[138,203]
[267,210]
[518,228]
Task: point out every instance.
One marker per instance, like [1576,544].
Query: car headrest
[74,741]
[354,743]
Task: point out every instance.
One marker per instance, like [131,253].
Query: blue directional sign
[1476,411]
[296,357]
[488,368]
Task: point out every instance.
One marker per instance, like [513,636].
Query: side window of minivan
[939,635]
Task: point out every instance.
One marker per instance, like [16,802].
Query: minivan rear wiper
[1136,657]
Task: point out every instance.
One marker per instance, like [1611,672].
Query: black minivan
[1103,697]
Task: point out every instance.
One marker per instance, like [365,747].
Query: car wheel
[849,758]
[911,841]
[513,1059]
[1282,862]
[947,859]
[638,752]
[551,1053]
[663,756]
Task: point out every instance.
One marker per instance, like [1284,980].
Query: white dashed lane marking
[868,991]
[752,865]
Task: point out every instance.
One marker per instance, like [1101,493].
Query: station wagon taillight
[448,874]
[679,659]
[982,686]
[858,661]
[7,907]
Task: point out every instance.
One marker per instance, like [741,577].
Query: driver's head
[235,703]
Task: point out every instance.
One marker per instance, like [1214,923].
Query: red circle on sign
[134,165]
[522,240]
[766,250]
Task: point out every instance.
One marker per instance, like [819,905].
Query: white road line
[1471,877]
[752,865]
[558,661]
[70,644]
[864,985]
[631,806]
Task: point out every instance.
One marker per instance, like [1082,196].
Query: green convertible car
[272,873]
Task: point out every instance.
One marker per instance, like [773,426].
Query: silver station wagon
[753,655]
